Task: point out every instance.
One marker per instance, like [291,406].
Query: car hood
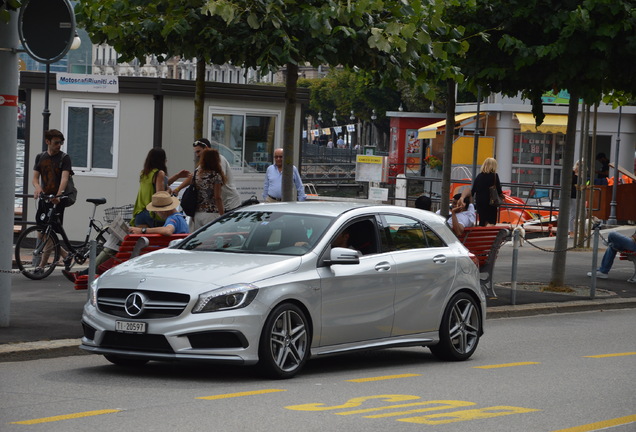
[175,266]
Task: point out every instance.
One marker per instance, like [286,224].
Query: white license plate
[130,326]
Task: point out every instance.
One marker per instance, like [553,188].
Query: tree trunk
[291,82]
[199,99]
[448,147]
[558,262]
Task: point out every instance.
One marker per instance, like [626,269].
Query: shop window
[536,159]
[247,139]
[91,129]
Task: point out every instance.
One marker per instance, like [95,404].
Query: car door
[357,299]
[425,271]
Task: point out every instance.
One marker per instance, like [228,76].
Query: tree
[587,47]
[392,39]
[6,6]
[165,28]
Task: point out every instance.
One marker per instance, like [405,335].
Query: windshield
[260,232]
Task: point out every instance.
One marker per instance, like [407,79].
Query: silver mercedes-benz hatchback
[277,284]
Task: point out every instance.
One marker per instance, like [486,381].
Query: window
[406,233]
[248,139]
[536,159]
[91,130]
[361,236]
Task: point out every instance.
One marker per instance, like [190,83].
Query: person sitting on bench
[616,242]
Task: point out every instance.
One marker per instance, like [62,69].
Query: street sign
[46,29]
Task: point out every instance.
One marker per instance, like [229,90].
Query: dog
[522,234]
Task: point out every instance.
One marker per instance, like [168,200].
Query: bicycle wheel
[82,252]
[36,252]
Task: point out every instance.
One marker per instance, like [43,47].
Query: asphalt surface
[45,315]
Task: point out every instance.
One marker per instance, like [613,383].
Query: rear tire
[285,341]
[460,330]
[32,247]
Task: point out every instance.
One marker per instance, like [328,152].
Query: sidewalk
[45,315]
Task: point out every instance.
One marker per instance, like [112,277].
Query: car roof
[337,208]
[324,208]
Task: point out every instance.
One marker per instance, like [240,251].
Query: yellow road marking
[66,417]
[240,394]
[385,377]
[611,355]
[504,365]
[601,425]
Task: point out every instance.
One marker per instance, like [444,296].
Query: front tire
[37,252]
[460,329]
[284,343]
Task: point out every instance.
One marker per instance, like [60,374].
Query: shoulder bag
[495,201]
[189,197]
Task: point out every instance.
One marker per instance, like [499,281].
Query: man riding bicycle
[51,173]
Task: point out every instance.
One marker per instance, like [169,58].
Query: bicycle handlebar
[50,197]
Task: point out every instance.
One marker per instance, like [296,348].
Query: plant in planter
[433,162]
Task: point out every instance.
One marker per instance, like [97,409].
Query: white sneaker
[599,275]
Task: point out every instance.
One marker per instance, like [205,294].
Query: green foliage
[585,46]
[6,6]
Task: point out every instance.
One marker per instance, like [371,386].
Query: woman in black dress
[480,190]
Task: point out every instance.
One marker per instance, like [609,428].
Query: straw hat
[162,201]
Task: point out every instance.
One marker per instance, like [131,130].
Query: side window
[91,129]
[432,238]
[405,233]
[360,235]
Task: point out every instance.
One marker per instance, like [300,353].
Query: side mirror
[340,255]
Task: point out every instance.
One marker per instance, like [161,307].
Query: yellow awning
[552,123]
[431,130]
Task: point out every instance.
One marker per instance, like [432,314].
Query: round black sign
[47,29]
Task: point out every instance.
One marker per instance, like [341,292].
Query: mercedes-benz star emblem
[135,304]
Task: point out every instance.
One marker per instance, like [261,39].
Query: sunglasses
[201,143]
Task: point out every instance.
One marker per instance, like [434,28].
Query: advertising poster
[413,152]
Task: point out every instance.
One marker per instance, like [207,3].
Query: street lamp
[334,119]
[612,220]
[373,118]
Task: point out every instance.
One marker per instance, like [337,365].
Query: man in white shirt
[461,216]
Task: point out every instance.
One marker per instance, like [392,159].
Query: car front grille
[157,304]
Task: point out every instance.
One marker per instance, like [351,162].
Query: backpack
[71,190]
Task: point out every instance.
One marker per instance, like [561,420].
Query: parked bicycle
[38,249]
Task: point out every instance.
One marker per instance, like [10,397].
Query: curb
[70,347]
[39,350]
[514,311]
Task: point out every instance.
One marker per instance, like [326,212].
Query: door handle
[383,266]
[439,259]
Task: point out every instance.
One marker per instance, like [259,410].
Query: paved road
[540,374]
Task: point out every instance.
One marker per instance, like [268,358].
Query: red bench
[131,246]
[629,256]
[484,243]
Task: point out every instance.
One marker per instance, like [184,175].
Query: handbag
[189,197]
[494,201]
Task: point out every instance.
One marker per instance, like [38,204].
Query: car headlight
[230,297]
[92,293]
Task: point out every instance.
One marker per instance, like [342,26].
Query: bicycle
[38,248]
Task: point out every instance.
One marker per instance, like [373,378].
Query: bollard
[513,277]
[597,233]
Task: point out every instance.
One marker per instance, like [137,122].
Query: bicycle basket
[112,212]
